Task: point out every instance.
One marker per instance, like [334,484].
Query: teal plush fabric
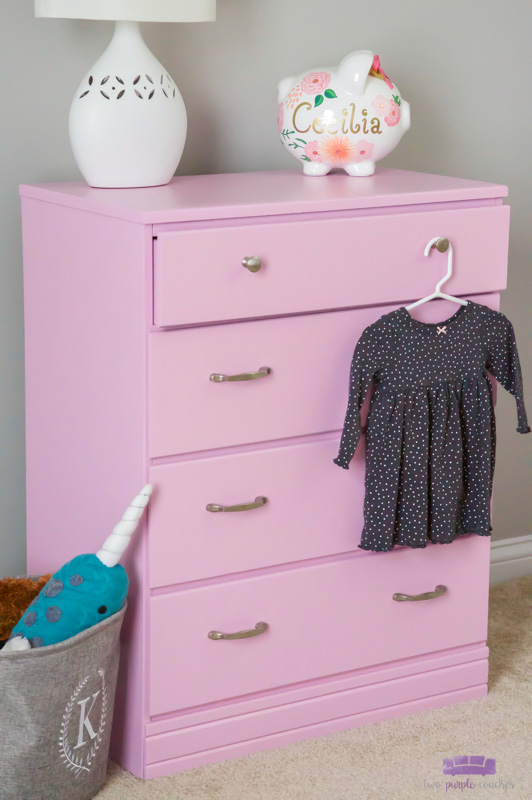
[81,594]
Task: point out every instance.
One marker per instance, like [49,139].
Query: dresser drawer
[323,264]
[305,393]
[322,620]
[312,509]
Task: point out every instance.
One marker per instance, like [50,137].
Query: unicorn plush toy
[83,592]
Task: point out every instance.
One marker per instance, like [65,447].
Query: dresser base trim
[318,687]
[236,749]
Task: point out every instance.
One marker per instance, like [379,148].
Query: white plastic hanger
[442,244]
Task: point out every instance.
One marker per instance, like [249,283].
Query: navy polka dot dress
[430,441]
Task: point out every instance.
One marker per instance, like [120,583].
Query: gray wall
[462,66]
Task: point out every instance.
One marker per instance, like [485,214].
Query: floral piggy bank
[347,117]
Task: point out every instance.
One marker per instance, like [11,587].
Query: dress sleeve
[363,368]
[503,363]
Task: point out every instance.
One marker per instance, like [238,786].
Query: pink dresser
[199,336]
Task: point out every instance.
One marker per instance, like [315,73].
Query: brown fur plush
[15,596]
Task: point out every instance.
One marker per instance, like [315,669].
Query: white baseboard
[511,558]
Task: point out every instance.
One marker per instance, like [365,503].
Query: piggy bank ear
[354,69]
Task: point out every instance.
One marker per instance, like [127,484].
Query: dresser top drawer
[252,194]
[311,265]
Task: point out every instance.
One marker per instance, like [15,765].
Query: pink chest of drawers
[133,300]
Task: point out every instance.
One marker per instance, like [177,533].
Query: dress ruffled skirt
[430,459]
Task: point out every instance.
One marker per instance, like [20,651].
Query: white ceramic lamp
[128,122]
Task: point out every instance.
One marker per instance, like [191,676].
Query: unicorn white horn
[116,543]
[83,592]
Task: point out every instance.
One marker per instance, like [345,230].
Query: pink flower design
[315,82]
[364,150]
[312,151]
[338,150]
[394,114]
[381,105]
[280,117]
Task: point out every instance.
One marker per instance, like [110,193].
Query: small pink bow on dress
[376,67]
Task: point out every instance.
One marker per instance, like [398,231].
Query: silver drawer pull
[262,372]
[438,591]
[258,503]
[253,263]
[260,627]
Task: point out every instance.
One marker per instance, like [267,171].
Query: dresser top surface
[254,194]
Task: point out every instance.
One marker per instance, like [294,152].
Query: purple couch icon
[469,765]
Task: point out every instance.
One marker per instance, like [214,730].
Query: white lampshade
[129,10]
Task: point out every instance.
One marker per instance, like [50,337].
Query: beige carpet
[393,760]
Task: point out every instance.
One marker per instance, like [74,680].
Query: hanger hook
[442,245]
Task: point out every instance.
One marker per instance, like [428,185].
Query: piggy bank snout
[284,87]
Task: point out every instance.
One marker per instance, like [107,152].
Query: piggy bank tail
[116,543]
[405,115]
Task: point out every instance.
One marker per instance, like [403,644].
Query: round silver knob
[442,245]
[253,263]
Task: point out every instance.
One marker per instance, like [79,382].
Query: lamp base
[128,121]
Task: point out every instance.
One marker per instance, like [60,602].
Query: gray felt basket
[56,709]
